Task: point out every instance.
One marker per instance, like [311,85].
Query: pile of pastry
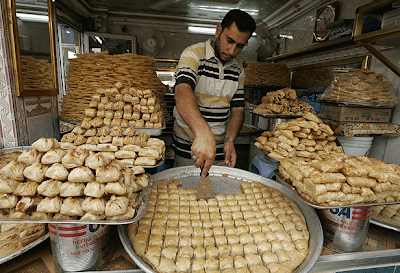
[319,170]
[306,137]
[36,73]
[91,71]
[119,143]
[322,76]
[267,74]
[337,179]
[360,85]
[258,230]
[49,182]
[283,102]
[16,236]
[123,107]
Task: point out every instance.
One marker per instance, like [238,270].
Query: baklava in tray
[258,230]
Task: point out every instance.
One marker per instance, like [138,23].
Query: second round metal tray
[227,181]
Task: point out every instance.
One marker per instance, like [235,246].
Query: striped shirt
[216,86]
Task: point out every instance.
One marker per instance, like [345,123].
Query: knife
[205,189]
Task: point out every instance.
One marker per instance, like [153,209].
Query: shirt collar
[210,53]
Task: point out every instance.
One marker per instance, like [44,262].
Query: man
[209,95]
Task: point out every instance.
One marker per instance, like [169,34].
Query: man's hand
[230,154]
[204,150]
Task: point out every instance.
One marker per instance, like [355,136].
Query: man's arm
[203,148]
[234,125]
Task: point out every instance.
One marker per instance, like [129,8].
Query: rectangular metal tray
[227,181]
[143,198]
[384,224]
[15,149]
[158,164]
[281,180]
[149,131]
[23,148]
[69,125]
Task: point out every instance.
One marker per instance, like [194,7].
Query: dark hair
[243,21]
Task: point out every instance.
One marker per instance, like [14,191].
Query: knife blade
[205,189]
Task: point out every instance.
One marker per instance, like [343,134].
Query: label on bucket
[345,228]
[78,247]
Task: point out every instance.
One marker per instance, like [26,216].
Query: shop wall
[22,119]
[176,42]
[41,117]
[388,149]
[13,130]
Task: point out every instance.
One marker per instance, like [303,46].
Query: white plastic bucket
[356,145]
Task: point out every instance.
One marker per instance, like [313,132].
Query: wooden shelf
[343,41]
[387,36]
[382,34]
[27,52]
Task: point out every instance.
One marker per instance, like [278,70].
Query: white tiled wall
[388,149]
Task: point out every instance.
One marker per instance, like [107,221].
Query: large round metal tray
[225,181]
[24,249]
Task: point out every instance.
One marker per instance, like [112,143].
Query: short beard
[217,49]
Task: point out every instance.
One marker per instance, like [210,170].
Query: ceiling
[171,14]
[195,11]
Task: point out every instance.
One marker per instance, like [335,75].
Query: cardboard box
[355,114]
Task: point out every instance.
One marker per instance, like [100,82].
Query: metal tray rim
[384,224]
[250,133]
[16,149]
[70,125]
[276,115]
[24,249]
[316,240]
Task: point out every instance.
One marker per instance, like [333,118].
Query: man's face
[229,42]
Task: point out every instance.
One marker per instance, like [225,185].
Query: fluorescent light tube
[98,39]
[202,30]
[33,17]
